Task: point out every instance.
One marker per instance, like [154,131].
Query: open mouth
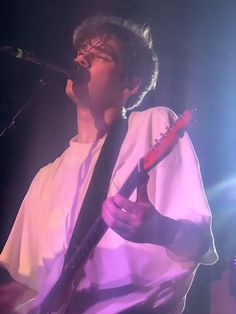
[78,73]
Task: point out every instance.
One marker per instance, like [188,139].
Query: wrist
[164,229]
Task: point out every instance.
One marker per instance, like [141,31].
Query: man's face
[100,82]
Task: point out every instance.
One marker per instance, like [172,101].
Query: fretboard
[82,252]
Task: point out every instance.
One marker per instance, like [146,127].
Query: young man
[147,259]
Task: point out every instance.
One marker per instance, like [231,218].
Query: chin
[70,91]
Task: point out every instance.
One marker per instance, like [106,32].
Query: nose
[83,59]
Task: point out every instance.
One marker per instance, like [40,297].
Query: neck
[94,124]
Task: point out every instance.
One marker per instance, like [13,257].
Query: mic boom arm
[28,56]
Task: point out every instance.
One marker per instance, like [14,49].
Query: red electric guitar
[59,296]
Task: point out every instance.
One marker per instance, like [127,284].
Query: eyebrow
[102,47]
[106,48]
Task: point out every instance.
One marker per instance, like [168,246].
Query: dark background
[196,45]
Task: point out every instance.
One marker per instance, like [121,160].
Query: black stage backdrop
[196,44]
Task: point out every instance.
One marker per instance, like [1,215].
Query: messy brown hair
[139,57]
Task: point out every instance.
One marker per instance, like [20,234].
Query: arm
[140,222]
[178,211]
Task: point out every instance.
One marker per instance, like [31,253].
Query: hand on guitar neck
[138,221]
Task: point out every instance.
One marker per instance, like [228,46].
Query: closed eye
[94,54]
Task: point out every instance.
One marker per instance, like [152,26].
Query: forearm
[140,222]
[184,239]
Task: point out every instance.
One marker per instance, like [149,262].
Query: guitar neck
[81,253]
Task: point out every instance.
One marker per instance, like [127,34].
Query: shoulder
[159,114]
[154,120]
[48,172]
[151,124]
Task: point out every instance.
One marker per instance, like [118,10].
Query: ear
[132,86]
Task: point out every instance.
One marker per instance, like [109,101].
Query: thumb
[142,195]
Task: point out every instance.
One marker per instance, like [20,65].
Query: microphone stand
[12,122]
[72,73]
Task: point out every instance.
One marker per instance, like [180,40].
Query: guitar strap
[99,184]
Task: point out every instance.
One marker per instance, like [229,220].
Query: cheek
[108,82]
[103,86]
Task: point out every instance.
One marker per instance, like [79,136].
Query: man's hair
[139,58]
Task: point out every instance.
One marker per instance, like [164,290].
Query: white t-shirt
[39,239]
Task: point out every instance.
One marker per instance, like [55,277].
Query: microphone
[22,54]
